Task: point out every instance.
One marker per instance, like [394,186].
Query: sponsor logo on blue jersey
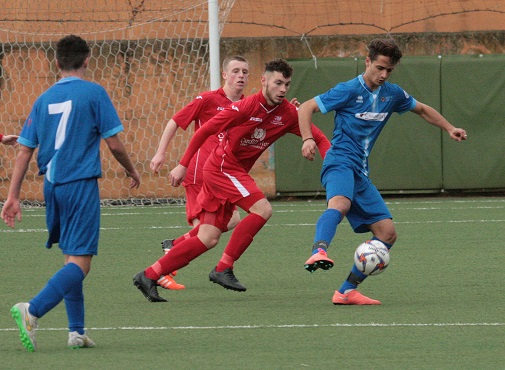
[370,116]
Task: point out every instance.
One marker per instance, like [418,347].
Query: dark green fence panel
[474,98]
[411,155]
[408,156]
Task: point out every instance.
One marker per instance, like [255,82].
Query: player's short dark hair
[71,52]
[279,65]
[386,47]
[238,58]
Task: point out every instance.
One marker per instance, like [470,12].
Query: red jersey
[200,110]
[249,127]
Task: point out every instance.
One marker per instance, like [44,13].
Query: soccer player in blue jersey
[66,124]
[362,107]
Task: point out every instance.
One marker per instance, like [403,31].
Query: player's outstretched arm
[305,112]
[432,116]
[159,158]
[12,209]
[119,152]
[211,127]
[177,175]
[216,124]
[322,142]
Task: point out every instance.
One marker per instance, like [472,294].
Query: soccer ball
[371,257]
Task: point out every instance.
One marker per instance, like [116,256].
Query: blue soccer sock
[355,278]
[56,288]
[326,228]
[74,303]
[388,246]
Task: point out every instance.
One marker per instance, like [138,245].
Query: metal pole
[215,73]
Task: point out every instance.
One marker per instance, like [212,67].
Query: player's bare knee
[385,231]
[209,235]
[392,238]
[265,212]
[389,236]
[210,242]
[262,208]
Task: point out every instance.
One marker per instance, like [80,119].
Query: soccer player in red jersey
[235,73]
[248,128]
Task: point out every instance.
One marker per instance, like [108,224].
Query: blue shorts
[73,216]
[367,205]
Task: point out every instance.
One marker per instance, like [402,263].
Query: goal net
[150,56]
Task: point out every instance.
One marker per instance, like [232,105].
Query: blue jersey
[67,123]
[360,116]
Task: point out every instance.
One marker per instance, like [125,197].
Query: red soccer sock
[189,234]
[177,257]
[240,240]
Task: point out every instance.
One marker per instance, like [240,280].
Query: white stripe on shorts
[238,185]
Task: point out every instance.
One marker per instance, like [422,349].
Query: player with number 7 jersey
[66,124]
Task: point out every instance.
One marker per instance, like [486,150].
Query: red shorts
[221,191]
[192,206]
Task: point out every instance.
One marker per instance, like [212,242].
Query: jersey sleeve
[333,99]
[28,136]
[109,121]
[190,112]
[405,101]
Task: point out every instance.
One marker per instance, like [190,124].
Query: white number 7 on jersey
[65,108]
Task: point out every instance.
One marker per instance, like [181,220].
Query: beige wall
[355,17]
[119,19]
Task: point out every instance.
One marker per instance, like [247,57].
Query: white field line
[295,207]
[310,202]
[266,225]
[283,326]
